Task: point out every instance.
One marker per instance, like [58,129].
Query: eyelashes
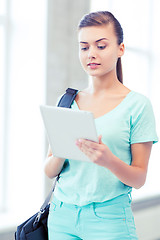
[85,48]
[99,47]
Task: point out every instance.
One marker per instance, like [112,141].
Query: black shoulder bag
[35,228]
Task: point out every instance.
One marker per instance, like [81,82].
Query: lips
[93,65]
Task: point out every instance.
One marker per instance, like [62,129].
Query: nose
[92,53]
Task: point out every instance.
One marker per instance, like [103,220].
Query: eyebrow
[96,40]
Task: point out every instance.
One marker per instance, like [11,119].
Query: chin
[95,75]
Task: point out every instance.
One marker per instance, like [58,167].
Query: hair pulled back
[101,18]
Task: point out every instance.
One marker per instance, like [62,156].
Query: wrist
[111,163]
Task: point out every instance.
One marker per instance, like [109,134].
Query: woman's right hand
[53,165]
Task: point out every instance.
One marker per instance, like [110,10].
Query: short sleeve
[143,127]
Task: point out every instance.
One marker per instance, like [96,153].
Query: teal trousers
[110,220]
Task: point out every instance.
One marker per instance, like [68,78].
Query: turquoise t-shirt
[132,121]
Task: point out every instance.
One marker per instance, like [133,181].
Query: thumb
[100,139]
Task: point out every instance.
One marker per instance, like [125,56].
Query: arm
[53,165]
[133,175]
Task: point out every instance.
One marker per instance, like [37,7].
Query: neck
[101,84]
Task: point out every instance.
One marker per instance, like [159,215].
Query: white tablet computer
[64,126]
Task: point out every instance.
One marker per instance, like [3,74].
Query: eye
[84,48]
[101,47]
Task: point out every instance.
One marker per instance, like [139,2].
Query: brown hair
[102,18]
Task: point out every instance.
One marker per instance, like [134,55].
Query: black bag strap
[65,101]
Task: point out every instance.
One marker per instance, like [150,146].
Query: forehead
[93,33]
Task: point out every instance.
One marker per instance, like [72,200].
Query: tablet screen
[64,126]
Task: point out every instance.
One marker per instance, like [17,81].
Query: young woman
[92,200]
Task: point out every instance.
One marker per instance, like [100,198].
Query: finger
[100,139]
[89,143]
[91,153]
[85,149]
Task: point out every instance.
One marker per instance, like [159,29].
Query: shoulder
[81,96]
[140,107]
[139,96]
[139,100]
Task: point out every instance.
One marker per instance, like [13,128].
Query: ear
[121,50]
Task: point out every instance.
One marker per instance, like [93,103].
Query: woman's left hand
[98,153]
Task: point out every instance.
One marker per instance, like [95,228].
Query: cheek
[110,59]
